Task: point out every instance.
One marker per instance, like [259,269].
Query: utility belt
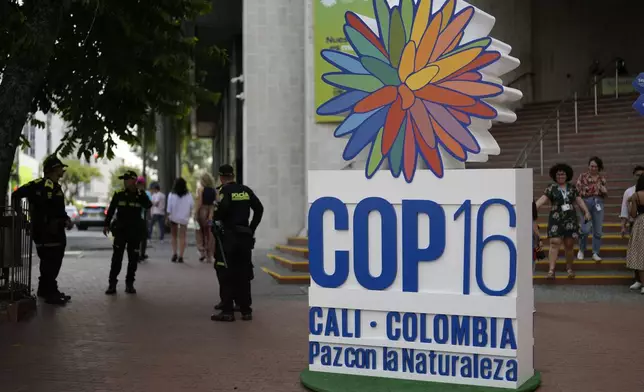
[235,233]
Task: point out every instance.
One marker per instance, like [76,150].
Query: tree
[105,66]
[117,184]
[75,176]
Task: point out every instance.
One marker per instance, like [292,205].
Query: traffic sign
[639,105]
[638,83]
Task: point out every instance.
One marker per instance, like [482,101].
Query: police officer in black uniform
[49,221]
[127,230]
[235,242]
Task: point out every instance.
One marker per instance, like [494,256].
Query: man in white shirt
[157,211]
[626,219]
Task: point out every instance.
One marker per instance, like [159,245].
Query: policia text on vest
[128,229]
[233,251]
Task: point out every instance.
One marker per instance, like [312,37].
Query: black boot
[247,316]
[129,288]
[111,289]
[226,317]
[55,300]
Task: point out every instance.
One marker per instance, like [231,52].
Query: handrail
[522,76]
[546,125]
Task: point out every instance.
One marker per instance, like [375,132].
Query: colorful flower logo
[413,86]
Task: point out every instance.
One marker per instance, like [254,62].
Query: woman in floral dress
[562,221]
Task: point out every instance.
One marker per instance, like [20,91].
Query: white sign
[430,280]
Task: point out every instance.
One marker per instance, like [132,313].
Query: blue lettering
[410,327]
[441,329]
[411,254]
[332,328]
[461,330]
[393,333]
[314,351]
[350,357]
[511,373]
[479,331]
[466,367]
[316,242]
[497,372]
[424,330]
[482,243]
[407,360]
[486,367]
[493,332]
[388,243]
[315,328]
[346,333]
[336,358]
[390,360]
[507,335]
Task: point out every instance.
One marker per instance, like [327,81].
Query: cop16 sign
[424,281]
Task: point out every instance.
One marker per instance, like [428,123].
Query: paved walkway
[162,339]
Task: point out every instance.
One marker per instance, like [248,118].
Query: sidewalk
[162,339]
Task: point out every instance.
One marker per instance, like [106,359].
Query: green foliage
[115,183]
[191,179]
[76,176]
[115,63]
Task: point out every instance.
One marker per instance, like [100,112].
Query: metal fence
[15,250]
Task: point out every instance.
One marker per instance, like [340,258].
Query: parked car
[72,212]
[92,215]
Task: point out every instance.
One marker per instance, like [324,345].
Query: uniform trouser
[123,241]
[51,259]
[234,279]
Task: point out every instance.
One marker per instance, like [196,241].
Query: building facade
[267,126]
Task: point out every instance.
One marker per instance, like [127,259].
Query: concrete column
[167,152]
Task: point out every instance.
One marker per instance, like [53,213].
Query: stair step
[290,262]
[298,241]
[586,265]
[283,276]
[586,278]
[300,251]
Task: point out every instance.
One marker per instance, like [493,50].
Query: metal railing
[15,250]
[554,120]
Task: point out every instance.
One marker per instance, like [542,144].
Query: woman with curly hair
[562,221]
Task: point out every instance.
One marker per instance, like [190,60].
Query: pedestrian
[128,230]
[157,211]
[233,252]
[180,206]
[48,223]
[563,227]
[591,186]
[205,207]
[145,214]
[635,253]
[627,221]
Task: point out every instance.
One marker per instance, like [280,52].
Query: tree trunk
[23,76]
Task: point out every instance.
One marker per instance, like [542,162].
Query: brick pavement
[162,339]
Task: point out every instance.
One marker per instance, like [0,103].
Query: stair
[616,135]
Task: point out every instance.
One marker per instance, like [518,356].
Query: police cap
[52,162]
[226,170]
[128,175]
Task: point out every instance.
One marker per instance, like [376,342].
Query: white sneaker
[596,257]
[642,291]
[580,255]
[636,286]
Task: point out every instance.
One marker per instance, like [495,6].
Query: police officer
[235,241]
[49,220]
[127,229]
